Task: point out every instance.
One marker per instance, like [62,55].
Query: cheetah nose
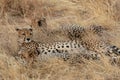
[28,39]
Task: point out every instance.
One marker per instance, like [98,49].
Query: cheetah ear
[41,21]
[17,29]
[30,28]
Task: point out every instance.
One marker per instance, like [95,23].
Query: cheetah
[27,47]
[30,49]
[94,38]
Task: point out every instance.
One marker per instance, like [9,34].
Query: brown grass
[15,13]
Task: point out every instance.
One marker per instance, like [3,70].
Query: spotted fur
[30,49]
[94,38]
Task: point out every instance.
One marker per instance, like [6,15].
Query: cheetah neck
[30,45]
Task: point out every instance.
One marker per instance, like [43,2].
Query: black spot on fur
[114,47]
[66,51]
[78,45]
[119,52]
[49,50]
[58,51]
[58,46]
[42,48]
[53,51]
[67,46]
[45,52]
[63,46]
[38,52]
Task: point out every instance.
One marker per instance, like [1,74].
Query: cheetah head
[24,34]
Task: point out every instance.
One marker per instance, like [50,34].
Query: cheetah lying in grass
[31,50]
[94,38]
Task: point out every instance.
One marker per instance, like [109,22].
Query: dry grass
[57,12]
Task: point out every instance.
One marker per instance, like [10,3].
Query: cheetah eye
[30,33]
